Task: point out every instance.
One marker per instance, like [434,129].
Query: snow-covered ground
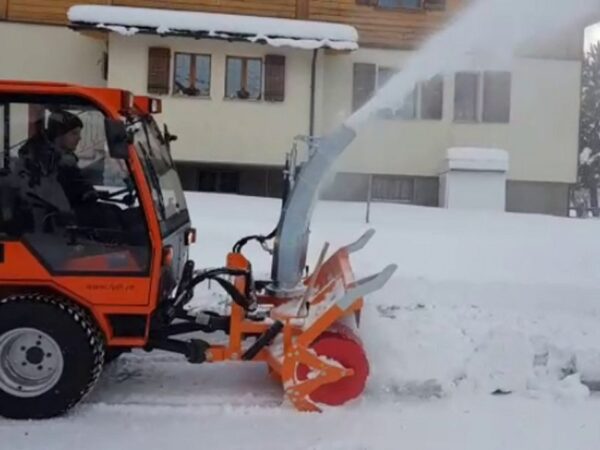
[481,303]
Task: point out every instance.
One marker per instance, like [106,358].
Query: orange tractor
[94,242]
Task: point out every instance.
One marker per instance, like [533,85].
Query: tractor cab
[75,169]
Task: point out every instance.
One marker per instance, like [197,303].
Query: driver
[64,132]
[48,166]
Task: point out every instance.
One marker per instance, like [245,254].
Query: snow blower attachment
[94,262]
[308,340]
[304,326]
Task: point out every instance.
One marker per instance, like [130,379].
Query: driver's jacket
[50,181]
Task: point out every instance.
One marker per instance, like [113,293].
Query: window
[392,189]
[227,181]
[408,109]
[435,4]
[363,84]
[496,97]
[409,4]
[243,80]
[466,89]
[192,75]
[482,97]
[432,98]
[66,197]
[424,101]
[405,4]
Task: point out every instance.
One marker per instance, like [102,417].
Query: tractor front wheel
[51,355]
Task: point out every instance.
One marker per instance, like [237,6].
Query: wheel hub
[31,362]
[34,355]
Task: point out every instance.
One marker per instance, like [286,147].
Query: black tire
[81,345]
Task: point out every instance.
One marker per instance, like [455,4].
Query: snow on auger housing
[94,260]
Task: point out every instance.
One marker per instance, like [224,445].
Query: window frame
[396,180]
[483,87]
[244,77]
[67,102]
[418,97]
[478,99]
[421,7]
[424,6]
[192,72]
[480,103]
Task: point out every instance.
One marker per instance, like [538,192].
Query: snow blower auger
[94,259]
[307,341]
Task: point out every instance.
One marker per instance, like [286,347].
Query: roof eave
[205,34]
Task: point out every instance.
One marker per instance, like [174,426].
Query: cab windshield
[167,193]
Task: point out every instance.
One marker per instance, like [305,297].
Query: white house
[237,89]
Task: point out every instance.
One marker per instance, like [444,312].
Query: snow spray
[487,33]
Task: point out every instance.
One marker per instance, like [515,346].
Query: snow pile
[476,158]
[587,158]
[482,302]
[305,44]
[274,31]
[123,31]
[477,153]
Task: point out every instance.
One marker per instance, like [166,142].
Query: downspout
[313,86]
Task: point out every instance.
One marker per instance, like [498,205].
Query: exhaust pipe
[291,241]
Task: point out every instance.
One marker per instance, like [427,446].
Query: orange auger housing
[85,278]
[317,356]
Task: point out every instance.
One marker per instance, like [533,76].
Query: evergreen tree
[589,140]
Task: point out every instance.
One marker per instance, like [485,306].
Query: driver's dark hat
[61,122]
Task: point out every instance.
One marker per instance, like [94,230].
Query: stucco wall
[50,53]
[219,129]
[541,137]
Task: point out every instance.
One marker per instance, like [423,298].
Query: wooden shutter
[301,9]
[159,64]
[363,85]
[274,78]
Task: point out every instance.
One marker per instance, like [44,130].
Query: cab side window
[62,193]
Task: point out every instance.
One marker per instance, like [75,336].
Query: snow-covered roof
[273,31]
[477,153]
[476,158]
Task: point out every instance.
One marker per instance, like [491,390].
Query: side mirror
[117,139]
[168,136]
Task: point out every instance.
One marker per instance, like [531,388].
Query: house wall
[541,138]
[49,53]
[216,129]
